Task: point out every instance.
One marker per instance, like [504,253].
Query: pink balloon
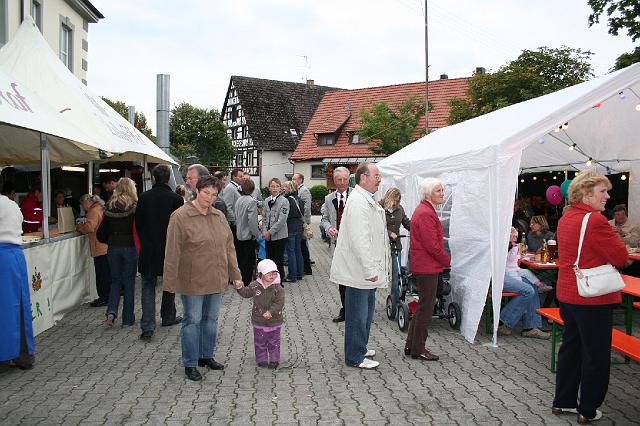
[554,195]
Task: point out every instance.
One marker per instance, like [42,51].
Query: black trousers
[103,277]
[306,257]
[246,259]
[342,290]
[584,358]
[275,252]
[168,307]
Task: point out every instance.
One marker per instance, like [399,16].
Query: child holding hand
[266,315]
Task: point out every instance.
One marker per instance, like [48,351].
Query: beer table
[629,292]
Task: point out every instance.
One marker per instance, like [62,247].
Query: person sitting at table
[539,233]
[524,305]
[625,228]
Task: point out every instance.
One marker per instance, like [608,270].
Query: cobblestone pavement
[87,374]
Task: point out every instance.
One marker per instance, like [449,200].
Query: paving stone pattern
[88,374]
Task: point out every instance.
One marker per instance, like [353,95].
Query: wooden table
[634,256]
[629,292]
[538,265]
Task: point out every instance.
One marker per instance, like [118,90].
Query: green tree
[627,59]
[534,73]
[122,109]
[199,132]
[622,14]
[391,129]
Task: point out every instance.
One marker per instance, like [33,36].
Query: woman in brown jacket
[94,209]
[200,260]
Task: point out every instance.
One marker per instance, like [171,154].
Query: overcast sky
[341,43]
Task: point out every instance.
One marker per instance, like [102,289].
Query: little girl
[514,270]
[266,315]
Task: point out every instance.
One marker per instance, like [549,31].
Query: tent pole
[146,178]
[90,178]
[45,180]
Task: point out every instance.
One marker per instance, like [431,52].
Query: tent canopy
[479,161]
[30,60]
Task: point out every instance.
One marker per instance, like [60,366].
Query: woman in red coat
[585,355]
[427,258]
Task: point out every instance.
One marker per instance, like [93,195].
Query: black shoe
[178,320]
[146,335]
[339,318]
[287,280]
[98,303]
[211,363]
[273,365]
[308,272]
[192,374]
[263,364]
[313,262]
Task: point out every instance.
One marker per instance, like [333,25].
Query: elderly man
[334,205]
[627,230]
[152,219]
[195,172]
[361,263]
[305,195]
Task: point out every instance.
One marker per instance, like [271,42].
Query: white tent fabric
[24,117]
[29,59]
[479,161]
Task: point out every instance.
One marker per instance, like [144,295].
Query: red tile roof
[345,105]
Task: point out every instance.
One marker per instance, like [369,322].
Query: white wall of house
[305,167]
[275,164]
[54,14]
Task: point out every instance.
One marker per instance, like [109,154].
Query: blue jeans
[199,327]
[395,276]
[523,306]
[123,264]
[358,309]
[294,253]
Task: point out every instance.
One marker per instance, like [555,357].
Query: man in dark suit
[152,219]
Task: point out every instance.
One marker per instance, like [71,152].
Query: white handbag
[596,281]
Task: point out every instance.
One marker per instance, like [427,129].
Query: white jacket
[362,250]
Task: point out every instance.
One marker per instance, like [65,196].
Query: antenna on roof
[306,68]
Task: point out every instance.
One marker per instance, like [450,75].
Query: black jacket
[152,219]
[118,223]
[295,220]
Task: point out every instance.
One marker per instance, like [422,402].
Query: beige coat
[94,218]
[200,257]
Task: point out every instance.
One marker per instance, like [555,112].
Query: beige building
[63,23]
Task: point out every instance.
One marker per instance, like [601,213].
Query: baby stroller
[406,308]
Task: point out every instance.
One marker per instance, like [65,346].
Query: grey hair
[202,170]
[427,186]
[341,170]
[93,198]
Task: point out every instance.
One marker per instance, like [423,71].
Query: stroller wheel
[454,315]
[403,316]
[391,308]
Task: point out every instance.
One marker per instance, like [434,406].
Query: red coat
[426,251]
[599,247]
[32,213]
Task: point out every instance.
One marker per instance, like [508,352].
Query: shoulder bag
[307,233]
[596,281]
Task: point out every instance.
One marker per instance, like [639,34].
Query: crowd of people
[166,233]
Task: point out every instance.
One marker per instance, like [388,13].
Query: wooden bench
[625,344]
[488,318]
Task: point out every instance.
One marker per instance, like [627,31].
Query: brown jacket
[200,257]
[264,299]
[94,218]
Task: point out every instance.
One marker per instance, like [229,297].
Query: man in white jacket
[361,263]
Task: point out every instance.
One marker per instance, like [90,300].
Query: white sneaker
[370,353]
[368,364]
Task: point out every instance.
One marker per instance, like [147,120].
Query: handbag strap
[585,219]
[297,205]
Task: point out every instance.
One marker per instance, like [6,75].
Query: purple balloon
[554,195]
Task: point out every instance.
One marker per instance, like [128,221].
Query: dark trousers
[342,290]
[275,252]
[24,359]
[419,326]
[306,257]
[584,358]
[246,259]
[103,277]
[148,302]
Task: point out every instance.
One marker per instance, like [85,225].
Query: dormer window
[327,139]
[354,138]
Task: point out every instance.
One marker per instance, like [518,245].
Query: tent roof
[30,60]
[594,110]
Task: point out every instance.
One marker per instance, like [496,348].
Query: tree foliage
[199,132]
[122,109]
[621,14]
[391,129]
[534,73]
[627,59]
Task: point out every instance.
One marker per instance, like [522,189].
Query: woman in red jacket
[427,258]
[585,355]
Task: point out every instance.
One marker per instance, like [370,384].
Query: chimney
[444,77]
[162,111]
[480,70]
[310,82]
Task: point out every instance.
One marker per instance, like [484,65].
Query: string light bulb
[522,180]
[557,130]
[621,94]
[535,178]
[623,177]
[572,147]
[576,174]
[565,126]
[589,162]
[638,107]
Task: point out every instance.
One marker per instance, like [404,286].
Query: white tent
[29,59]
[479,161]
